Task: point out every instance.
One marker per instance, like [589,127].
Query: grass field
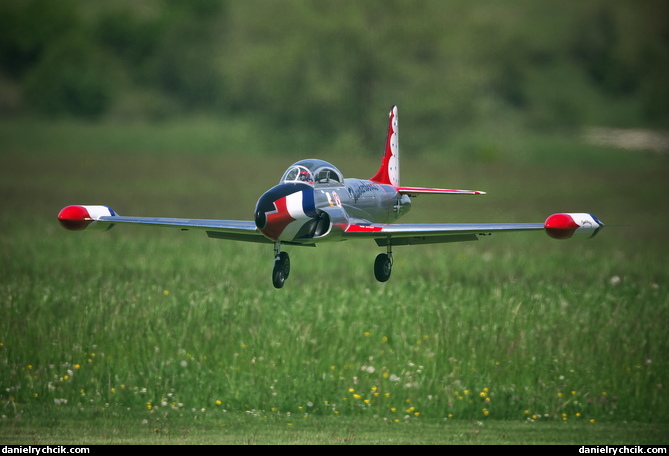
[140,334]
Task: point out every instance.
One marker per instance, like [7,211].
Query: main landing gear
[383,265]
[281,266]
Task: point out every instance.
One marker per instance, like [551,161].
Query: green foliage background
[310,70]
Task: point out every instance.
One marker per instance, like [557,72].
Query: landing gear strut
[383,265]
[281,266]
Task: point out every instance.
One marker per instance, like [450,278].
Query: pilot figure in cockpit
[305,177]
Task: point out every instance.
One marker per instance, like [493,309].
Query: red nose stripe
[277,221]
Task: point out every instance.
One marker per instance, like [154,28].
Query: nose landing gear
[281,266]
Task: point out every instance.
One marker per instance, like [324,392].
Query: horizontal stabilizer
[436,191]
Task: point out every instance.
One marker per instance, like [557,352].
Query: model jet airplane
[313,203]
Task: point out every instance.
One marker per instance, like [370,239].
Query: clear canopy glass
[313,172]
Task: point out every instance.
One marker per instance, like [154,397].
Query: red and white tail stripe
[389,172]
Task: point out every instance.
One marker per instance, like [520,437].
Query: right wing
[558,226]
[78,218]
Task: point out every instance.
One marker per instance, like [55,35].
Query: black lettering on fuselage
[359,189]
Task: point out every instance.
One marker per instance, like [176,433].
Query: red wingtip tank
[79,218]
[570,225]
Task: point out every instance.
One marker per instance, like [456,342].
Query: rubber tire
[278,276]
[281,270]
[285,260]
[383,266]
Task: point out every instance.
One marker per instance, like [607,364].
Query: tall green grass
[151,322]
[178,324]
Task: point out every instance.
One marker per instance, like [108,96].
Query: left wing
[77,218]
[558,226]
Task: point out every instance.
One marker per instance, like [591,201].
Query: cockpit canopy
[313,172]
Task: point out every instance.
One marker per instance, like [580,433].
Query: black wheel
[281,270]
[383,266]
[278,276]
[285,260]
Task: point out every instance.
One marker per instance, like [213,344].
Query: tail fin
[389,172]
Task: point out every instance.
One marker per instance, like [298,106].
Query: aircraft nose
[283,210]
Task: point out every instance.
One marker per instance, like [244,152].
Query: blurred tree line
[333,66]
